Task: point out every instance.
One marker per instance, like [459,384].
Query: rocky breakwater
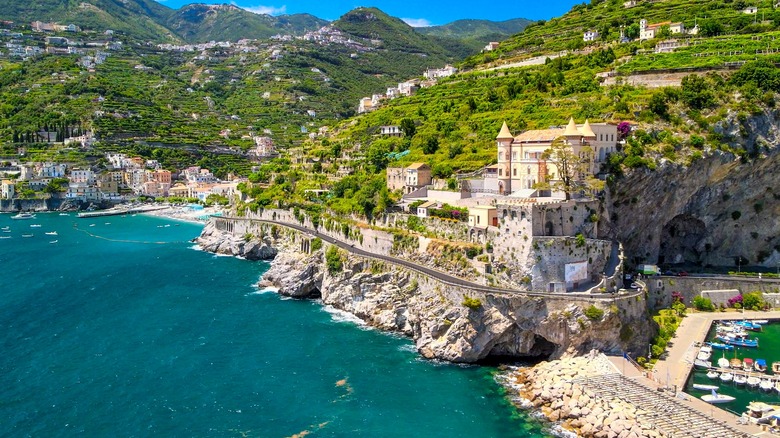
[556,390]
[457,324]
[249,246]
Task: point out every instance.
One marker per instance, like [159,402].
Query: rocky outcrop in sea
[248,246]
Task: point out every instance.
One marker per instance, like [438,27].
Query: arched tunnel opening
[681,241]
[506,352]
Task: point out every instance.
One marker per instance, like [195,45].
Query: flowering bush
[677,297]
[735,301]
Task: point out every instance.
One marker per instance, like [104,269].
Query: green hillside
[479,30]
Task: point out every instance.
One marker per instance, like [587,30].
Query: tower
[504,146]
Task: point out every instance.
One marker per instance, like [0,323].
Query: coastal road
[438,275]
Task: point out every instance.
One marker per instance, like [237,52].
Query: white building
[82,176]
[591,35]
[435,73]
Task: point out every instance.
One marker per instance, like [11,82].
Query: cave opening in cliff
[682,241]
[541,350]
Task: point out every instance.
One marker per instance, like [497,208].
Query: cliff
[249,246]
[456,324]
[51,204]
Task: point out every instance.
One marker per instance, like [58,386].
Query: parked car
[682,274]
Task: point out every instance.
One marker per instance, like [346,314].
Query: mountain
[200,23]
[480,30]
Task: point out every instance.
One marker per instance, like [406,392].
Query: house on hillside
[649,31]
[591,35]
[751,10]
[408,179]
[422,209]
[390,131]
[483,216]
[491,46]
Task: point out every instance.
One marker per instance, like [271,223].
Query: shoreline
[185,214]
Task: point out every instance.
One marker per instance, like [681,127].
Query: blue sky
[418,13]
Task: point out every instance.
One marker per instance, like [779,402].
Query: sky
[417,13]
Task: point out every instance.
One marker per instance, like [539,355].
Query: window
[514,171]
[500,172]
[514,156]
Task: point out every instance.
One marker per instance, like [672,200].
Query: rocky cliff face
[436,316]
[719,211]
[249,246]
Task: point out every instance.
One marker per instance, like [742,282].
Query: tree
[753,301]
[658,105]
[664,32]
[408,127]
[696,92]
[710,28]
[632,31]
[571,168]
[431,145]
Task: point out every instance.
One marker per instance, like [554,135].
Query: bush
[471,303]
[753,301]
[316,244]
[703,304]
[333,260]
[594,313]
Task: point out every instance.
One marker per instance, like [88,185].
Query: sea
[120,326]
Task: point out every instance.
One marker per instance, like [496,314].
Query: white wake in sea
[337,315]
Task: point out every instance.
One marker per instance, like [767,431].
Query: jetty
[116,211]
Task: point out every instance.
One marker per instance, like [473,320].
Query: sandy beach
[186,214]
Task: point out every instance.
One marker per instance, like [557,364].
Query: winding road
[438,275]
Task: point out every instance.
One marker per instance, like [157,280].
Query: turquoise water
[768,341]
[103,335]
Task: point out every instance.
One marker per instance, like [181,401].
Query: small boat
[735,363]
[27,235]
[726,377]
[703,355]
[760,321]
[5,237]
[723,362]
[776,367]
[702,364]
[747,364]
[91,225]
[5,228]
[51,233]
[760,412]
[713,375]
[64,214]
[35,225]
[54,241]
[740,379]
[701,387]
[753,381]
[760,365]
[23,216]
[743,342]
[749,325]
[766,385]
[717,398]
[720,346]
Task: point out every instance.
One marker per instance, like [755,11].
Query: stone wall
[660,288]
[550,254]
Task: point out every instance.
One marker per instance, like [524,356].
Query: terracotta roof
[417,166]
[540,135]
[504,134]
[587,131]
[571,129]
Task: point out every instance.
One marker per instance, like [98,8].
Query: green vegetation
[471,303]
[593,313]
[703,304]
[333,260]
[668,320]
[316,244]
[753,301]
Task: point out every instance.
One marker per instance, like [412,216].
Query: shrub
[753,300]
[594,313]
[316,244]
[471,303]
[704,304]
[333,260]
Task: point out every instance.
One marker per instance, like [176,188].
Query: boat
[723,362]
[714,397]
[27,235]
[776,367]
[726,377]
[702,364]
[23,216]
[760,365]
[720,346]
[64,214]
[760,321]
[753,381]
[713,374]
[760,412]
[766,385]
[5,237]
[705,387]
[740,379]
[54,241]
[5,228]
[747,364]
[51,233]
[703,355]
[743,342]
[749,325]
[735,363]
[35,225]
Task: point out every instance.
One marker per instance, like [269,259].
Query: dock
[122,210]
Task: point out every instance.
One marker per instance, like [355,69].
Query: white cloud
[265,10]
[417,22]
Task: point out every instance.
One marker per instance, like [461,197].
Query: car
[682,274]
[669,272]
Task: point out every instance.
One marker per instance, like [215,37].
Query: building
[392,131]
[7,189]
[649,31]
[483,216]
[366,105]
[82,191]
[751,10]
[82,176]
[417,175]
[521,159]
[395,178]
[435,73]
[591,35]
[491,46]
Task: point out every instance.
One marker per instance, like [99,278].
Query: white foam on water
[410,348]
[265,290]
[337,315]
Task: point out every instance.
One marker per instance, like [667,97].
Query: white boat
[726,377]
[702,364]
[54,241]
[740,379]
[717,398]
[5,237]
[64,214]
[760,321]
[5,228]
[723,362]
[51,233]
[23,216]
[760,412]
[35,225]
[766,385]
[713,374]
[705,387]
[27,235]
[753,381]
[705,353]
